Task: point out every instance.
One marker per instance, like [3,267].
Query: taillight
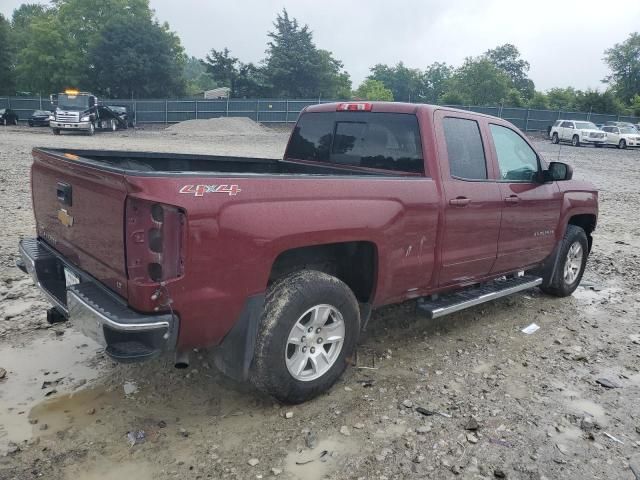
[354,107]
[154,237]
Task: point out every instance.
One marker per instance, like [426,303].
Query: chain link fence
[279,110]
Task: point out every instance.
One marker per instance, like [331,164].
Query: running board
[476,295]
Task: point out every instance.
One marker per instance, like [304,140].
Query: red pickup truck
[279,263]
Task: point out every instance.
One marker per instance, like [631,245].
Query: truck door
[531,209]
[472,203]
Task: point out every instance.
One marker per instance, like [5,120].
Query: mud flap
[234,355]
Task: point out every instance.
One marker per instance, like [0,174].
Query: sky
[563,40]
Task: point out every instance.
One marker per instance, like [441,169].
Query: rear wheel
[113,125]
[307,335]
[575,141]
[15,121]
[554,138]
[622,144]
[92,129]
[572,260]
[4,122]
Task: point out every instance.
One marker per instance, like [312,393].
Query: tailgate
[79,211]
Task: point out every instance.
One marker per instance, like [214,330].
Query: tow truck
[76,110]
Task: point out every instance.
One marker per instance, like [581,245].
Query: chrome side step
[454,302]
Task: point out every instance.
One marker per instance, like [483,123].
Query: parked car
[622,137]
[577,132]
[8,117]
[278,264]
[123,114]
[621,125]
[40,118]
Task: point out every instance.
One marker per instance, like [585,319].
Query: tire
[554,138]
[4,122]
[575,141]
[113,125]
[622,144]
[290,305]
[56,131]
[92,129]
[15,121]
[598,145]
[574,248]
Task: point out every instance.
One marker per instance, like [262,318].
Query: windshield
[72,101]
[628,130]
[586,126]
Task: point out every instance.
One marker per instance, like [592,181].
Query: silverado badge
[65,218]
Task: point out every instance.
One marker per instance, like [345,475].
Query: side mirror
[557,172]
[571,126]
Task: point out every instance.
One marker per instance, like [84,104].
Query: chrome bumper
[96,311]
[70,125]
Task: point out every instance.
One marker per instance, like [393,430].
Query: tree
[405,83]
[196,77]
[539,101]
[562,98]
[507,58]
[6,58]
[514,99]
[597,102]
[435,80]
[451,98]
[294,67]
[21,21]
[48,62]
[479,82]
[373,90]
[624,61]
[244,79]
[136,56]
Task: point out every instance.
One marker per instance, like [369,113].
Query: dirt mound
[219,126]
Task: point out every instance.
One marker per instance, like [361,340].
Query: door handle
[460,201]
[513,199]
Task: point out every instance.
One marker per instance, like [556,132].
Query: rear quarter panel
[233,240]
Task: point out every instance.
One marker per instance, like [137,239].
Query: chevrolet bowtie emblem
[65,218]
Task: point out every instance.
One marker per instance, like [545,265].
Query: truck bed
[155,164]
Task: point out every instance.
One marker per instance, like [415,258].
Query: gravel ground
[498,403]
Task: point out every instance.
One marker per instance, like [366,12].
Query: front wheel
[572,260]
[56,131]
[92,129]
[554,138]
[622,144]
[113,125]
[575,141]
[308,334]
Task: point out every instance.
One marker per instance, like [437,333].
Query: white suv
[622,137]
[577,132]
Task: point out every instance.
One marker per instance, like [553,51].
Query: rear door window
[465,149]
[387,141]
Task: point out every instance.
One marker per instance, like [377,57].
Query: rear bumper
[70,125]
[127,335]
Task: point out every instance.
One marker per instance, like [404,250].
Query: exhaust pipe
[182,360]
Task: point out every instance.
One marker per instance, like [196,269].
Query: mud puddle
[329,455]
[40,370]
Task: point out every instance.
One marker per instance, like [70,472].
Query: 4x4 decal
[200,190]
